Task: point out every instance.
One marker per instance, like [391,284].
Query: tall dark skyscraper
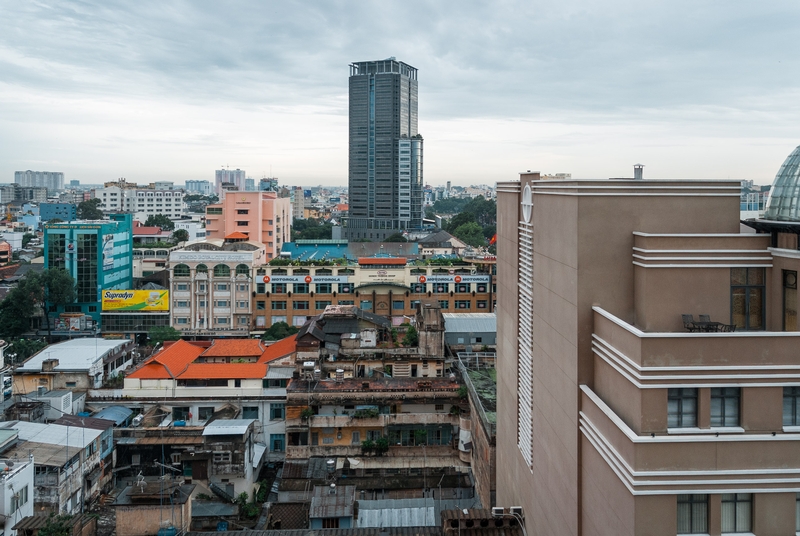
[385,172]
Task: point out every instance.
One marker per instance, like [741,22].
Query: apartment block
[647,372]
[260,216]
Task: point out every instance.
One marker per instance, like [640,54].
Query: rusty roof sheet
[340,503]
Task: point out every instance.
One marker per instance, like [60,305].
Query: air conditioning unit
[516,511]
[498,511]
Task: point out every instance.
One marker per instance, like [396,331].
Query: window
[441,288]
[181,286]
[19,499]
[181,303]
[481,304]
[789,300]
[278,305]
[221,320]
[279,288]
[462,304]
[221,286]
[366,305]
[242,269]
[180,413]
[214,211]
[444,304]
[481,287]
[301,288]
[692,514]
[356,438]
[277,412]
[221,303]
[439,407]
[300,305]
[205,413]
[242,288]
[324,288]
[737,512]
[345,288]
[791,406]
[242,304]
[273,383]
[330,522]
[322,304]
[418,288]
[277,442]
[261,288]
[261,305]
[222,270]
[725,406]
[250,412]
[222,456]
[182,320]
[462,287]
[181,270]
[747,298]
[681,408]
[398,304]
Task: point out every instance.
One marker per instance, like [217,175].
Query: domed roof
[784,198]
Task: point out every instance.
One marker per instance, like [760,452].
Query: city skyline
[150,93]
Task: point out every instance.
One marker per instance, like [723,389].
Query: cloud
[94,86]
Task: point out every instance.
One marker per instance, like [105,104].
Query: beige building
[211,285]
[616,416]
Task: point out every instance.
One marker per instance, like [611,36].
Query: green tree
[90,210]
[180,235]
[26,238]
[451,205]
[57,525]
[159,220]
[311,229]
[458,220]
[159,334]
[278,331]
[470,233]
[430,214]
[412,337]
[396,237]
[21,349]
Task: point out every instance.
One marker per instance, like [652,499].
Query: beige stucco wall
[144,520]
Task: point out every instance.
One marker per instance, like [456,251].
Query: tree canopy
[159,220]
[180,235]
[159,334]
[278,331]
[396,237]
[470,233]
[52,287]
[90,210]
[311,229]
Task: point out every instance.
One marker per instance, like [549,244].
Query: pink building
[262,216]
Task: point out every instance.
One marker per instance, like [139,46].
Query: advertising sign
[108,252]
[454,279]
[305,279]
[135,300]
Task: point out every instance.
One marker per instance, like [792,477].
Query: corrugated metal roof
[227,427]
[258,452]
[118,414]
[470,322]
[280,373]
[338,504]
[397,517]
[53,434]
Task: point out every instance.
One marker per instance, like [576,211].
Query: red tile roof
[148,231]
[236,235]
[200,371]
[234,348]
[279,349]
[170,362]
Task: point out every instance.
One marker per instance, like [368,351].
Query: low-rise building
[16,491]
[80,364]
[150,507]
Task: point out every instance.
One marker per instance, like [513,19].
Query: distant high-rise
[234,176]
[52,180]
[385,171]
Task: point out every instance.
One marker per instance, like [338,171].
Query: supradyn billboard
[135,300]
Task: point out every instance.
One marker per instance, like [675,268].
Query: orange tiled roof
[236,235]
[170,362]
[234,348]
[279,349]
[200,371]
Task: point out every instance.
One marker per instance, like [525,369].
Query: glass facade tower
[385,166]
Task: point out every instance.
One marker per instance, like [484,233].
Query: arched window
[222,270]
[202,269]
[180,270]
[242,269]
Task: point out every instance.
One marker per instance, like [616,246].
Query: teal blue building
[98,254]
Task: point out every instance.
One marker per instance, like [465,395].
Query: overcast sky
[161,90]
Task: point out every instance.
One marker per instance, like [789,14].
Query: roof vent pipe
[638,172]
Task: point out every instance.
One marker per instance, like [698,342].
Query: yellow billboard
[135,300]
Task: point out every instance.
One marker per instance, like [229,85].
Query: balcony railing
[381,421]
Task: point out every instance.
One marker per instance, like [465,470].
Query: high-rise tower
[385,171]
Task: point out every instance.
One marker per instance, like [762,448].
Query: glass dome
[784,199]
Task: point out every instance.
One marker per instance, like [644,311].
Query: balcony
[381,421]
[650,358]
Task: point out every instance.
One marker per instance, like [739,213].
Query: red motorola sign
[266,279]
[422,279]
